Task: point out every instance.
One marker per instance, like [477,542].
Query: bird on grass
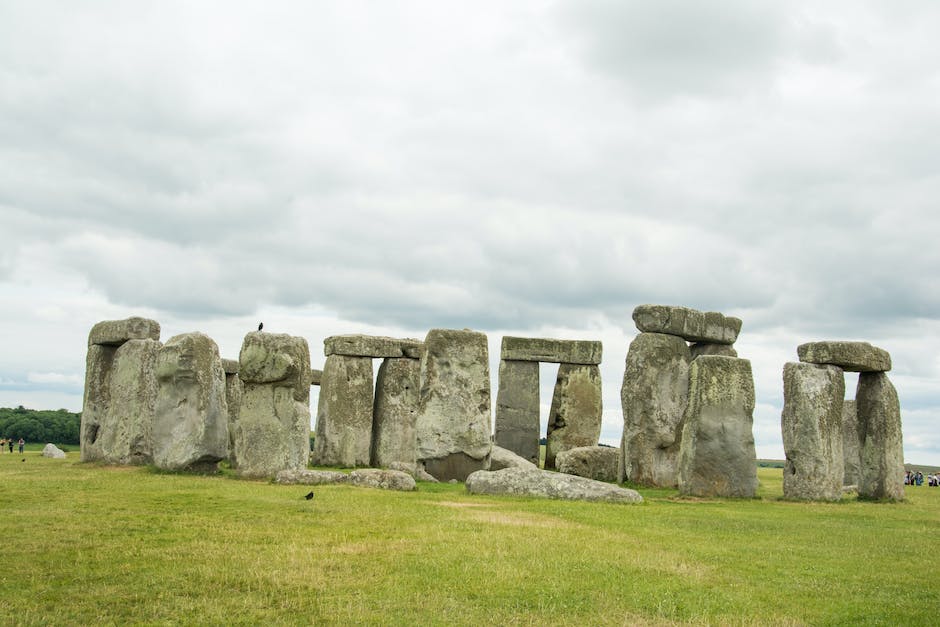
[260,325]
[309,496]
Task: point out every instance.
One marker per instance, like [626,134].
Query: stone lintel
[851,356]
[583,352]
[116,332]
[372,346]
[689,324]
[230,366]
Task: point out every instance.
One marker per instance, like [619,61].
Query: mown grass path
[86,544]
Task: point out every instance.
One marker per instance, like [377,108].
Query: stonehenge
[576,410]
[829,441]
[687,401]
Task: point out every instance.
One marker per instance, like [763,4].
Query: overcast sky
[525,168]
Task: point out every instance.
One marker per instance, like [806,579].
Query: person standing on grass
[10,444]
[21,443]
[2,444]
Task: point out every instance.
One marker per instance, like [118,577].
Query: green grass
[87,544]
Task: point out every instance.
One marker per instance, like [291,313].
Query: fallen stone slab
[371,346]
[689,324]
[851,356]
[547,484]
[364,478]
[585,352]
[116,332]
[53,451]
[383,479]
[594,462]
[310,477]
[501,458]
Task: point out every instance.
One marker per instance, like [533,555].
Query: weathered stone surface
[116,332]
[382,479]
[234,390]
[879,428]
[453,418]
[230,366]
[53,451]
[689,324]
[371,346]
[547,484]
[310,477]
[705,348]
[812,431]
[594,462]
[851,447]
[393,416]
[717,456]
[344,412]
[576,411]
[273,428]
[654,396]
[190,425]
[316,377]
[502,458]
[586,352]
[517,408]
[851,356]
[119,404]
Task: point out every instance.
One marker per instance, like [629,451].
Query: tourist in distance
[22,442]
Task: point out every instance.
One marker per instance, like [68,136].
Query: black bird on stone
[309,496]
[260,325]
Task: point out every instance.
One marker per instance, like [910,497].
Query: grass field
[86,544]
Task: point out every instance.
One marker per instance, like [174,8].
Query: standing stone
[851,447]
[453,419]
[344,412]
[120,397]
[812,431]
[190,426]
[233,401]
[654,395]
[396,404]
[717,455]
[273,428]
[879,428]
[517,408]
[576,412]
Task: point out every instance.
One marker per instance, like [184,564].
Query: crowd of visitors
[10,443]
[917,478]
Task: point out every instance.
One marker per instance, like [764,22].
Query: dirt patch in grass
[459,505]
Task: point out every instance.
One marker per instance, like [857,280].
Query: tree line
[58,426]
